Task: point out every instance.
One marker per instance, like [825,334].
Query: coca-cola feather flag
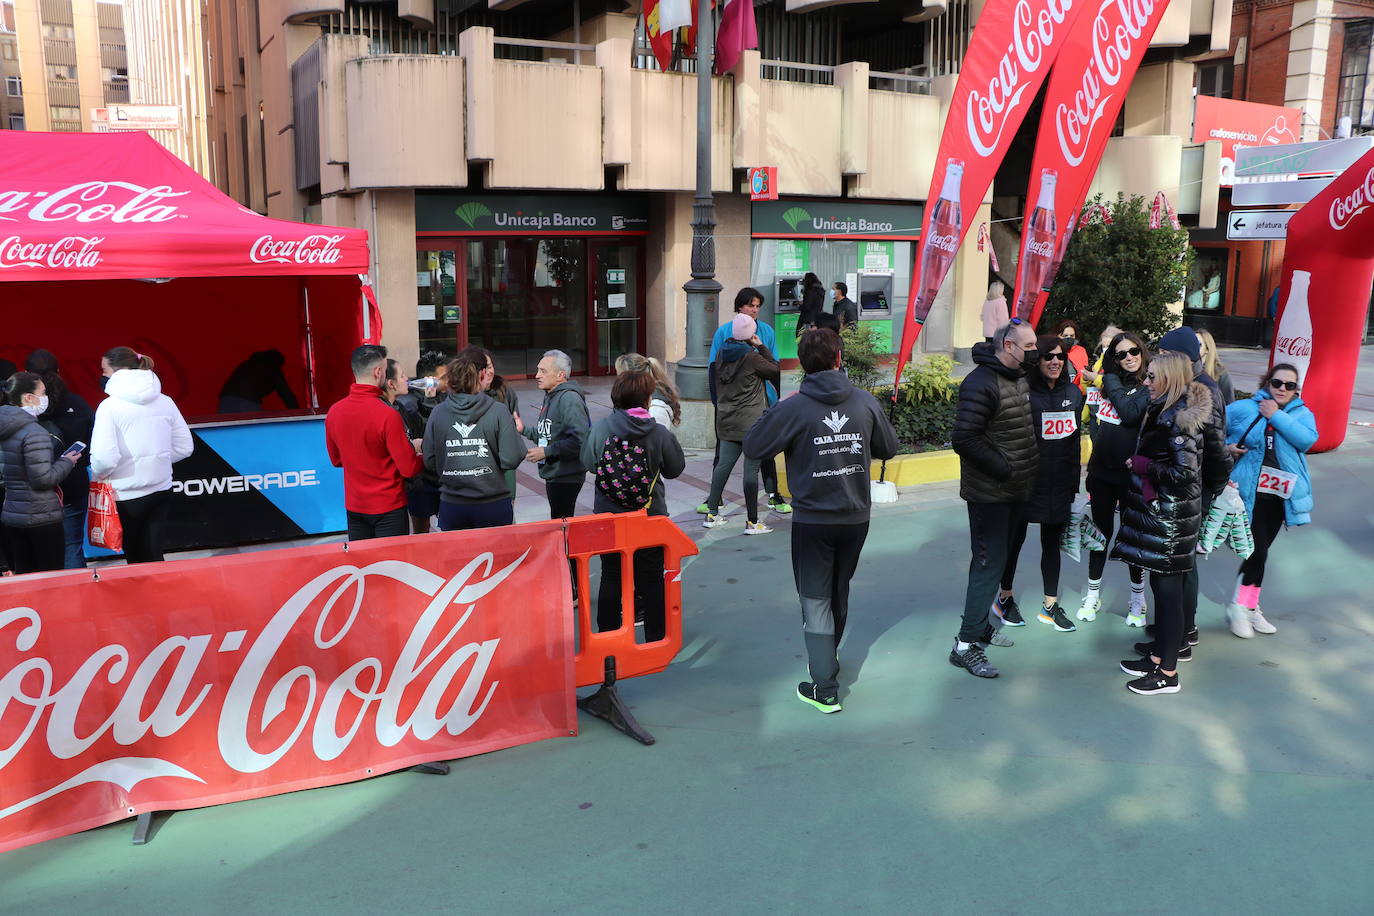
[1082,101]
[1008,58]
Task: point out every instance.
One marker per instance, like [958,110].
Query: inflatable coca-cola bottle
[1038,255]
[1293,341]
[946,230]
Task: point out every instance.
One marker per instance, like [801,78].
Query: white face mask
[34,410]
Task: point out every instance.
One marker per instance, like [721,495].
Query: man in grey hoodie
[829,435]
[559,433]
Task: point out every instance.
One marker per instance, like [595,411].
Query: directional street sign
[1257,225]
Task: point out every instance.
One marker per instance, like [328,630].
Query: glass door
[440,303]
[526,296]
[617,303]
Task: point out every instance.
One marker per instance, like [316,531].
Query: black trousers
[649,598]
[990,529]
[143,520]
[562,496]
[1190,582]
[1049,555]
[768,470]
[1106,497]
[1264,527]
[1168,594]
[824,558]
[38,549]
[364,527]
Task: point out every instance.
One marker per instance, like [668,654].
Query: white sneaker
[757,528]
[711,521]
[1092,603]
[1137,616]
[1260,624]
[1238,617]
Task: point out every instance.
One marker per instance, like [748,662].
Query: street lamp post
[703,291]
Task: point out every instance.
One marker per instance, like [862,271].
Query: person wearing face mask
[843,307]
[1268,436]
[1067,330]
[32,513]
[74,421]
[994,436]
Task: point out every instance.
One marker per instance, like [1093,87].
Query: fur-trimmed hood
[1192,412]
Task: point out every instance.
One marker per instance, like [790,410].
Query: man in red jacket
[367,438]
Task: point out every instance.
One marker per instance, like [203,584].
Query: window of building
[1216,78]
[115,74]
[61,72]
[14,87]
[7,50]
[1355,95]
[59,32]
[16,122]
[65,113]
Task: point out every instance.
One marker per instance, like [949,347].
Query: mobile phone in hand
[75,449]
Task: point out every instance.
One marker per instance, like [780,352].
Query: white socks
[1094,588]
[1137,596]
[963,646]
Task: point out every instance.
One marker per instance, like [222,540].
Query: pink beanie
[743,327]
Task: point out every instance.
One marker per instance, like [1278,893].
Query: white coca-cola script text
[1344,209]
[74,251]
[1034,30]
[1116,32]
[313,249]
[93,201]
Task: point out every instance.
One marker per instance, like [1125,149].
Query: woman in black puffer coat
[1162,513]
[1056,404]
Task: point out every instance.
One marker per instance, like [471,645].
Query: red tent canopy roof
[77,206]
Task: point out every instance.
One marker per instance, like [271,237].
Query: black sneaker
[810,694]
[1007,611]
[1137,667]
[1185,653]
[1192,637]
[995,637]
[1154,682]
[1056,618]
[973,660]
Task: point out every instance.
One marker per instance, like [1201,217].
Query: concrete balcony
[1140,165]
[412,133]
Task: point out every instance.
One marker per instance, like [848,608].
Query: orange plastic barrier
[605,657]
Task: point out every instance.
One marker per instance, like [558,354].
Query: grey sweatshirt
[470,440]
[829,434]
[561,429]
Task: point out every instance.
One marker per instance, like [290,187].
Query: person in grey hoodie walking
[470,442]
[558,434]
[32,513]
[828,435]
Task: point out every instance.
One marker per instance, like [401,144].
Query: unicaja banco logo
[470,212]
[795,216]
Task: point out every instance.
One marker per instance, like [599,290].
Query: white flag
[674,14]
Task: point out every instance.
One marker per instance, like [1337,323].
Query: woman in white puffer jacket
[138,434]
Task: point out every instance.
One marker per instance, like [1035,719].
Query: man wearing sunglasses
[994,436]
[1216,458]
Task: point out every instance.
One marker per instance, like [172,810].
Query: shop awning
[78,206]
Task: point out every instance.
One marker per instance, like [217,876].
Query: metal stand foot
[141,828]
[606,704]
[437,768]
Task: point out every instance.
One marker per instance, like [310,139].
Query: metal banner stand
[606,704]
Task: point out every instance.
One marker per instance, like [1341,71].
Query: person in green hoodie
[470,441]
[558,434]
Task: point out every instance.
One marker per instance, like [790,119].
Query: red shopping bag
[102,519]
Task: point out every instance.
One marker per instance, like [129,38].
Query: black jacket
[74,420]
[415,412]
[847,310]
[741,390]
[994,432]
[813,303]
[1060,465]
[33,471]
[1160,534]
[1125,401]
[1215,458]
[829,433]
[662,451]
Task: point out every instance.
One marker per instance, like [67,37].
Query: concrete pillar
[389,217]
[1307,46]
[852,80]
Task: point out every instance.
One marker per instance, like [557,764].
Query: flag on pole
[738,32]
[674,14]
[660,39]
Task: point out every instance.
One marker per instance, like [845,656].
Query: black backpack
[622,473]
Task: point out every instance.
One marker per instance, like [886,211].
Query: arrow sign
[1258,225]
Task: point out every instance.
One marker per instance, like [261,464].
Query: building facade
[526,169]
[167,66]
[61,59]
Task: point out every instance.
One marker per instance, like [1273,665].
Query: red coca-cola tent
[109,240]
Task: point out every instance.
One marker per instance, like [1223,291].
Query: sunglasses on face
[1053,357]
[1130,351]
[1278,384]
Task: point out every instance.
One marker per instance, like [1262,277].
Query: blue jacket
[770,340]
[1296,430]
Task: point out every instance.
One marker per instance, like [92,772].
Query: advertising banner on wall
[1084,96]
[1328,272]
[167,686]
[1243,124]
[1007,60]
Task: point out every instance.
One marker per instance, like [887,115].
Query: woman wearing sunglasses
[1163,512]
[1055,404]
[1268,436]
[1114,426]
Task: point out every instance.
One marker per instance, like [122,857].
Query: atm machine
[875,304]
[786,310]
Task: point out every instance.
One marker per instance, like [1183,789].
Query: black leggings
[1264,527]
[40,548]
[1105,499]
[143,520]
[1168,592]
[649,597]
[729,453]
[1049,555]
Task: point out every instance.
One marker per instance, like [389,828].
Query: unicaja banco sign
[529,214]
[826,219]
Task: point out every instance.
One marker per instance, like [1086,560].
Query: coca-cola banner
[190,683]
[1328,272]
[1082,101]
[1008,58]
[120,206]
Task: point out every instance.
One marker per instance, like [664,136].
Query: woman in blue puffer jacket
[1268,436]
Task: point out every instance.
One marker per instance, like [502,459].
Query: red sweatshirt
[365,437]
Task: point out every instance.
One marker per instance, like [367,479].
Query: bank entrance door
[617,294]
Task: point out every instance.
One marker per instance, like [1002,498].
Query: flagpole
[703,291]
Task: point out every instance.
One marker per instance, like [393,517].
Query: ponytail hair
[664,389]
[127,358]
[20,384]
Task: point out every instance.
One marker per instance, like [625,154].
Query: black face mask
[1030,358]
[1069,343]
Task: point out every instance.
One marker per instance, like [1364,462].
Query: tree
[1122,273]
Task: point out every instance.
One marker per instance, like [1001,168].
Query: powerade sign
[835,219]
[529,214]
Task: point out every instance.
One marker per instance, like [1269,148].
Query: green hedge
[924,413]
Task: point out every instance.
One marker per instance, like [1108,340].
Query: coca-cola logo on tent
[313,249]
[989,109]
[69,253]
[1344,209]
[93,201]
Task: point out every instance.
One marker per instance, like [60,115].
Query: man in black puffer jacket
[994,435]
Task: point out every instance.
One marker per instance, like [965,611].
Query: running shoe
[757,528]
[1137,667]
[994,637]
[1238,616]
[712,521]
[1092,603]
[1261,624]
[1056,618]
[778,505]
[1146,649]
[972,660]
[810,694]
[1192,637]
[1007,611]
[1136,617]
[703,509]
[1154,682]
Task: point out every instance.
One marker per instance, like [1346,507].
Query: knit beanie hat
[743,327]
[1182,340]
